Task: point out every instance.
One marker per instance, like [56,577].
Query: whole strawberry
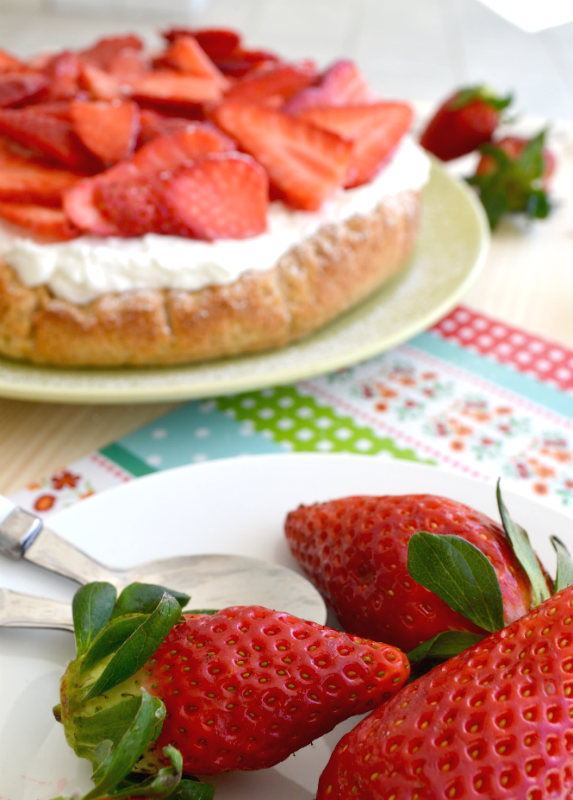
[356,551]
[513,176]
[463,122]
[241,688]
[493,722]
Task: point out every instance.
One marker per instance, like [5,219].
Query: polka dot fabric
[301,424]
[539,358]
[471,394]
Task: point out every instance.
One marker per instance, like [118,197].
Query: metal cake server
[211,580]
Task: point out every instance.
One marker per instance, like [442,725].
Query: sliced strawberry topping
[60,109]
[8,62]
[217,43]
[343,84]
[83,209]
[186,55]
[24,180]
[63,74]
[274,84]
[153,125]
[101,85]
[129,65]
[170,88]
[169,153]
[114,106]
[244,62]
[134,205]
[306,163]
[45,134]
[104,51]
[19,87]
[223,47]
[50,223]
[374,130]
[100,205]
[222,197]
[109,130]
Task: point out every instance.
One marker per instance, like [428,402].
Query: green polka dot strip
[301,423]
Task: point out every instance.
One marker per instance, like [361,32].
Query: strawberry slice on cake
[306,164]
[195,200]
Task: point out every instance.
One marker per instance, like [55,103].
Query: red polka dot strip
[547,361]
[105,463]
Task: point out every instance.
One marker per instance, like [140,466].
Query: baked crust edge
[311,284]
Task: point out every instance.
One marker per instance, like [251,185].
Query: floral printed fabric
[471,394]
[458,420]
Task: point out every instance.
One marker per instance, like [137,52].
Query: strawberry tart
[200,201]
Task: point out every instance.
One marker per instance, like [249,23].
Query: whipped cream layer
[86,268]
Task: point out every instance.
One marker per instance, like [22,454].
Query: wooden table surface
[526,280]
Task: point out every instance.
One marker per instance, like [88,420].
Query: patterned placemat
[472,394]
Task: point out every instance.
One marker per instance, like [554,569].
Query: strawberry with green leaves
[463,122]
[369,556]
[495,721]
[513,176]
[241,688]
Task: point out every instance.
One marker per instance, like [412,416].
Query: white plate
[235,506]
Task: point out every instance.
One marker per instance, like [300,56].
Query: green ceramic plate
[451,250]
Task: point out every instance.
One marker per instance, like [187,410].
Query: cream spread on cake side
[83,269]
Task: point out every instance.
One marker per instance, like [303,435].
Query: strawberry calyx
[512,179]
[564,569]
[166,785]
[464,578]
[522,548]
[108,717]
[465,120]
[464,97]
